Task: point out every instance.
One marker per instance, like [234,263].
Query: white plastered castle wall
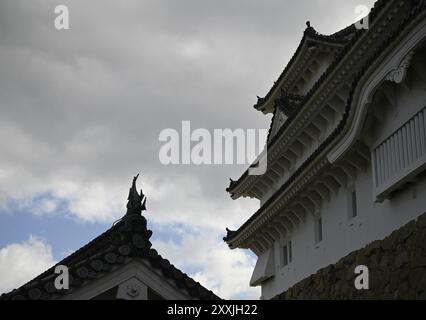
[342,234]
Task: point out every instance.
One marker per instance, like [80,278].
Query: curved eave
[235,235]
[234,188]
[350,35]
[233,239]
[309,38]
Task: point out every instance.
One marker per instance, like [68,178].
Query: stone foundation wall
[397,270]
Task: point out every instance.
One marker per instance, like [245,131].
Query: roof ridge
[128,238]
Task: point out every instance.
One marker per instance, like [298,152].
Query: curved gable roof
[310,38]
[412,11]
[126,240]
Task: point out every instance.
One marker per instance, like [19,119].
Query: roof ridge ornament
[136,202]
[309,29]
[229,234]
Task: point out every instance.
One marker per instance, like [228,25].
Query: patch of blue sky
[63,232]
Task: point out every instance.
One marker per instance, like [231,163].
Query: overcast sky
[81,111]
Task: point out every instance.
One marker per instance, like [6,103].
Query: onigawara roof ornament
[136,202]
[229,234]
[309,29]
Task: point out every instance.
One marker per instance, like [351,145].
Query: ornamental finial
[135,206]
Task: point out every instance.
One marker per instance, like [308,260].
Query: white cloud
[178,199]
[21,262]
[185,200]
[46,206]
[226,273]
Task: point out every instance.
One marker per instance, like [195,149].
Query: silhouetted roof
[129,238]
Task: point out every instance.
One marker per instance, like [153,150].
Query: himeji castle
[345,182]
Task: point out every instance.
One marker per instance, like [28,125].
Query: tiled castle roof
[349,32]
[127,239]
[417,6]
[310,34]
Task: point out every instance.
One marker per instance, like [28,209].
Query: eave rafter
[299,212]
[293,218]
[323,191]
[358,63]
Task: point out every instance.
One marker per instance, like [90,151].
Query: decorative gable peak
[126,242]
[309,29]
